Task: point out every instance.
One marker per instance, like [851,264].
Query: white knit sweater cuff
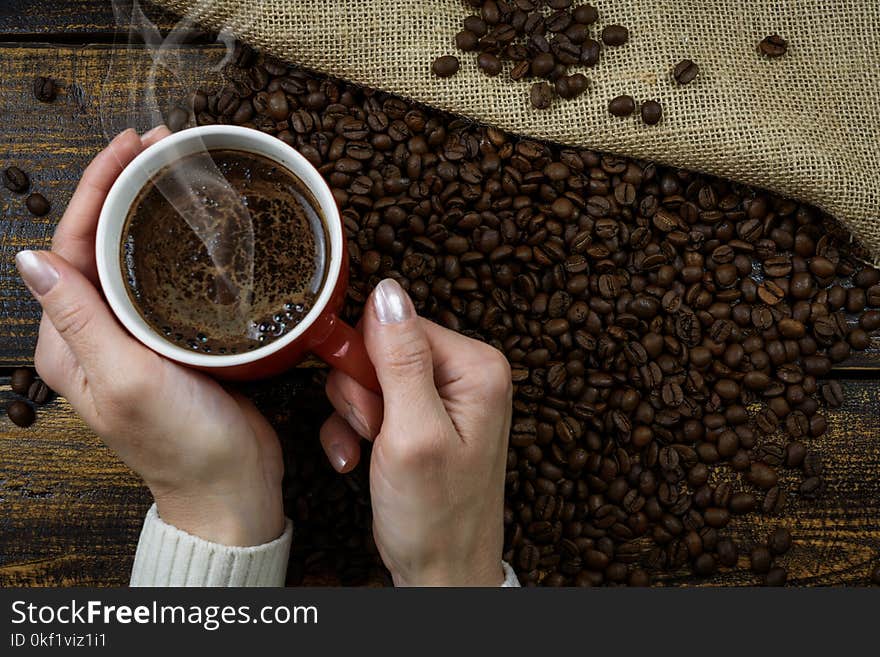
[167,556]
[510,579]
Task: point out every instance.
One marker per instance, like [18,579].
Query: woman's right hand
[440,431]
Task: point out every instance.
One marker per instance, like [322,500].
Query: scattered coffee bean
[16,180]
[685,71]
[445,66]
[541,95]
[622,105]
[652,111]
[44,89]
[20,413]
[37,204]
[585,14]
[779,540]
[177,119]
[615,35]
[21,380]
[489,63]
[761,559]
[776,576]
[773,46]
[38,392]
[875,575]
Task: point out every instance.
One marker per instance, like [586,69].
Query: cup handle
[344,350]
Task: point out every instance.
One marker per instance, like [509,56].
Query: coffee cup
[320,332]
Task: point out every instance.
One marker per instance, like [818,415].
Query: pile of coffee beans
[25,384]
[668,332]
[539,39]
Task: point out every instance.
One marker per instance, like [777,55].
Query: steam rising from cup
[199,191]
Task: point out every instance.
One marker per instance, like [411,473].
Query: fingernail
[391,302]
[153,131]
[340,456]
[36,271]
[357,421]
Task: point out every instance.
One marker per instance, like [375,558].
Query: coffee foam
[225,265]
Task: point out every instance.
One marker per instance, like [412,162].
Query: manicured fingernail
[340,456]
[391,302]
[36,271]
[152,132]
[357,421]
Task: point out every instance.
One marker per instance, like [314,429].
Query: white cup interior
[126,189]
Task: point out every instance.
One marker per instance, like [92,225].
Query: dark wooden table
[70,512]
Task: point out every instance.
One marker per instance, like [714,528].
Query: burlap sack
[806,125]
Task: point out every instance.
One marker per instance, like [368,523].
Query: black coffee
[224,252]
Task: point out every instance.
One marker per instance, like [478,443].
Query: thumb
[73,306]
[400,351]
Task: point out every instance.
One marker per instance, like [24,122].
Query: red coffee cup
[320,332]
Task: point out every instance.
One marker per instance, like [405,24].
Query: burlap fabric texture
[806,125]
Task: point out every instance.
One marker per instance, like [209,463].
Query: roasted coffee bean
[795,452]
[728,555]
[16,180]
[762,476]
[21,380]
[585,14]
[21,413]
[622,106]
[38,392]
[466,40]
[773,46]
[742,502]
[704,564]
[178,117]
[445,66]
[761,559]
[685,71]
[779,540]
[44,89]
[615,35]
[38,205]
[776,576]
[489,63]
[541,95]
[651,111]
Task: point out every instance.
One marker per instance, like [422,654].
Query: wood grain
[68,20]
[71,512]
[102,88]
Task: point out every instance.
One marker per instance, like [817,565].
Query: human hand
[440,430]
[211,460]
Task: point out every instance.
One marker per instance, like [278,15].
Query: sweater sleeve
[167,556]
[510,578]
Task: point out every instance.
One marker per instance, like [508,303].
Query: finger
[361,408]
[156,134]
[74,238]
[399,349]
[79,315]
[461,362]
[341,444]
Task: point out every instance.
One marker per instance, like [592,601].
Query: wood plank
[71,511]
[54,142]
[69,20]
